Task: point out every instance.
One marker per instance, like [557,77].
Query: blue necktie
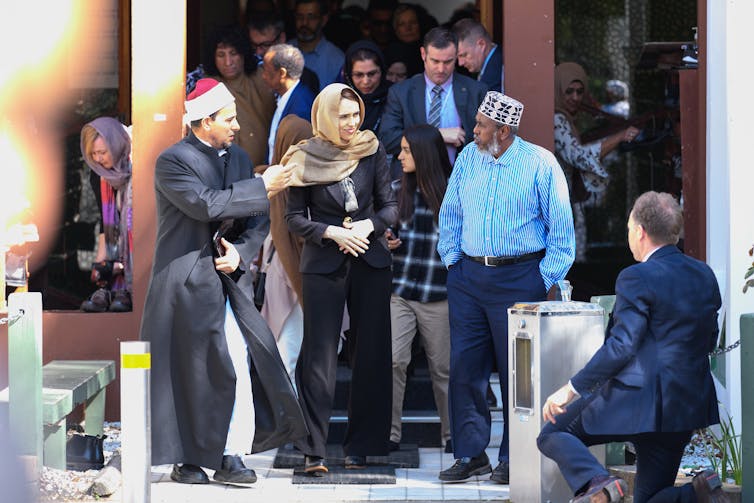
[435,106]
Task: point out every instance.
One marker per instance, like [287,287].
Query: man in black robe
[210,347]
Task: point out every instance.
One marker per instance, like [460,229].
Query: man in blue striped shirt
[506,236]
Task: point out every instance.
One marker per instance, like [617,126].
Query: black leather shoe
[121,302]
[189,474]
[98,302]
[709,488]
[449,446]
[613,487]
[356,462]
[315,466]
[501,473]
[234,471]
[465,468]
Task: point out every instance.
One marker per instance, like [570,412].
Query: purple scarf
[115,186]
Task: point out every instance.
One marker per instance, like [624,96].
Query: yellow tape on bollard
[136,361]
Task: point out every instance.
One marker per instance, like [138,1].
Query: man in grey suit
[439,97]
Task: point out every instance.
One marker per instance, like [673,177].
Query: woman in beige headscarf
[341,203]
[581,162]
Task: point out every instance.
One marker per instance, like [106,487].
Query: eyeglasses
[265,45]
[577,90]
[361,75]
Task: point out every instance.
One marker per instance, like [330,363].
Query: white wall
[730,174]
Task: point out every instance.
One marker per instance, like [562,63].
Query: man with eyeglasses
[321,55]
[267,29]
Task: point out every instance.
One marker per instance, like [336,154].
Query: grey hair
[288,57]
[660,215]
[513,129]
[471,30]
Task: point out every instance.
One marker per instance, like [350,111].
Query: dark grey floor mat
[406,457]
[372,474]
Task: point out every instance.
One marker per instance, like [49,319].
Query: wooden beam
[124,60]
[529,55]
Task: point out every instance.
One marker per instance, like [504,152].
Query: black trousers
[366,291]
[658,455]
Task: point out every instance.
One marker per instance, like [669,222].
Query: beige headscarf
[326,158]
[565,73]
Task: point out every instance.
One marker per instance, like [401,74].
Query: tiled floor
[274,485]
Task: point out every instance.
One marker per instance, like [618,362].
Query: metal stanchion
[136,429]
[747,406]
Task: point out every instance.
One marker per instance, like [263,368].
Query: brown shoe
[315,466]
[709,488]
[98,302]
[603,489]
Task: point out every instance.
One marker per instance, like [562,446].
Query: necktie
[435,106]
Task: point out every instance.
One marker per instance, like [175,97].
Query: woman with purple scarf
[106,147]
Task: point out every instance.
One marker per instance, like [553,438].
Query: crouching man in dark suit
[650,383]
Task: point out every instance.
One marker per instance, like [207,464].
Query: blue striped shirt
[509,206]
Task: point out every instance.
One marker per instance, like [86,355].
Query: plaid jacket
[418,272]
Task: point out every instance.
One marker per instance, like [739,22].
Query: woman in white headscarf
[341,203]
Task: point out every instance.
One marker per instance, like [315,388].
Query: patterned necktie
[435,106]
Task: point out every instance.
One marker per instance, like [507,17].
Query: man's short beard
[492,148]
[307,37]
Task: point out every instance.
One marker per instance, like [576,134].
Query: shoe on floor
[449,446]
[465,468]
[394,446]
[121,302]
[188,474]
[315,466]
[98,302]
[356,462]
[234,471]
[501,473]
[709,488]
[614,489]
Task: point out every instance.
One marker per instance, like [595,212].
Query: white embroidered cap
[501,108]
[208,97]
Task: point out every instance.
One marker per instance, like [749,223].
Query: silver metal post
[136,429]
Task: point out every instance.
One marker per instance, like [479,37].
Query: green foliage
[724,453]
[749,281]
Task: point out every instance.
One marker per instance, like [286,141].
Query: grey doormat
[407,457]
[372,474]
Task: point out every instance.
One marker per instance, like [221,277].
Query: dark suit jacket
[405,108]
[326,206]
[300,102]
[493,73]
[653,373]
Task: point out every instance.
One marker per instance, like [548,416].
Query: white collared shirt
[276,118]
